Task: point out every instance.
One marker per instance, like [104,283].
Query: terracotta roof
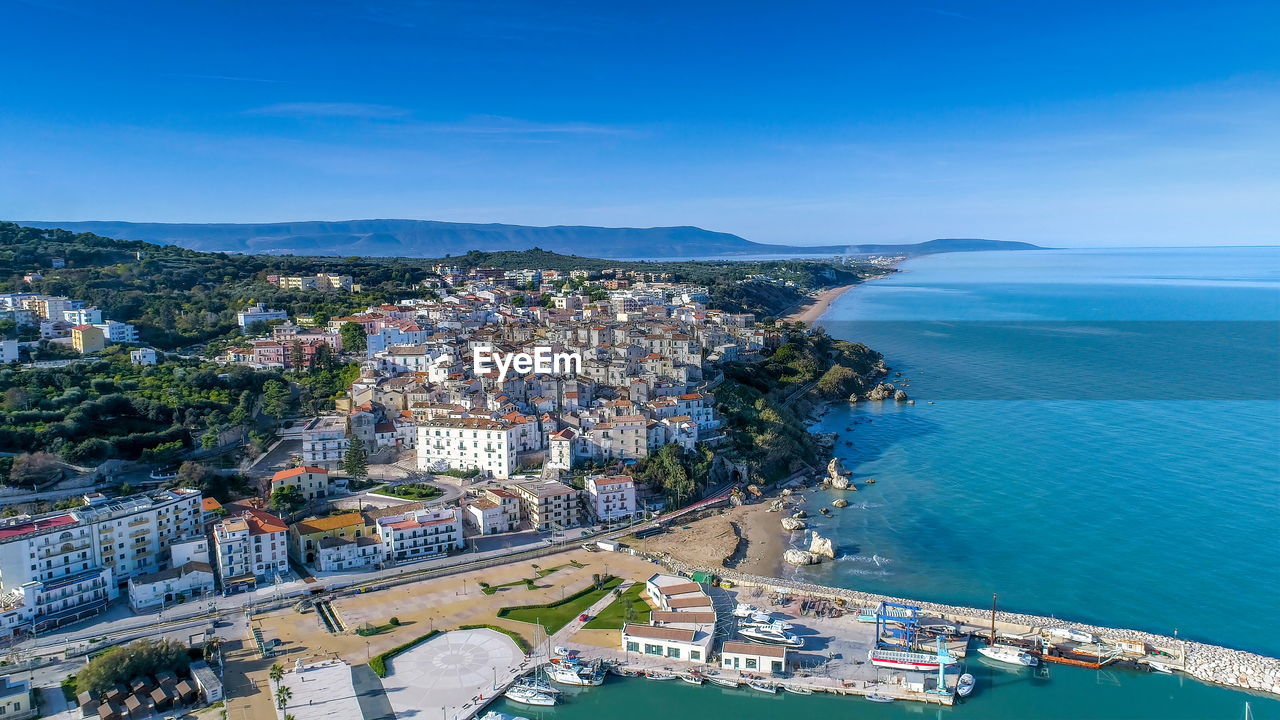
[659,633]
[294,472]
[263,522]
[774,651]
[209,504]
[324,524]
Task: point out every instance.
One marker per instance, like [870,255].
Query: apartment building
[190,581]
[117,332]
[497,511]
[467,444]
[249,548]
[549,505]
[87,339]
[611,497]
[62,567]
[420,533]
[337,542]
[324,442]
[259,313]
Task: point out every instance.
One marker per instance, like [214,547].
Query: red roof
[36,526]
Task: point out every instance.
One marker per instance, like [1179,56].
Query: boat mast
[993,618]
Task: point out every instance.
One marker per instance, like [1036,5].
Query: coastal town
[495,419]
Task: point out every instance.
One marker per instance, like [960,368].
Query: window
[751,663]
[673,653]
[695,654]
[653,649]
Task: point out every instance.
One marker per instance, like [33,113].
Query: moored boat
[659,675]
[722,682]
[743,610]
[526,696]
[1009,655]
[692,679]
[1159,667]
[762,687]
[965,684]
[875,697]
[797,689]
[576,674]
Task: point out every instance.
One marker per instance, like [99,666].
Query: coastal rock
[835,469]
[853,398]
[800,514]
[799,557]
[789,523]
[775,506]
[883,391]
[822,547]
[786,493]
[840,503]
[900,396]
[840,483]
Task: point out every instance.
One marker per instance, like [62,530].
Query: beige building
[549,505]
[312,482]
[87,339]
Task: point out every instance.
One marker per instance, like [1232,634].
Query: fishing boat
[763,687]
[624,672]
[771,636]
[693,679]
[722,682]
[1009,655]
[659,675]
[1160,667]
[576,674]
[1072,634]
[876,697]
[870,481]
[525,696]
[797,689]
[907,660]
[965,684]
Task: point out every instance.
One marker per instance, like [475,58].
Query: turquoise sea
[1104,445]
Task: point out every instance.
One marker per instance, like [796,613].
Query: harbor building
[674,593]
[753,657]
[676,643]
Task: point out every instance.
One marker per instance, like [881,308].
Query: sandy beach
[813,308]
[747,538]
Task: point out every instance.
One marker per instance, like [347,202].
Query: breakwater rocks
[1208,663]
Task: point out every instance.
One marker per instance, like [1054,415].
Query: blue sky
[1130,123]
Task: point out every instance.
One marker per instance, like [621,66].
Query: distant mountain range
[428,238]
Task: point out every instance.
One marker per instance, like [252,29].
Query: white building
[248,548]
[753,657]
[118,332]
[672,592]
[61,567]
[675,643]
[143,356]
[466,444]
[324,442]
[498,511]
[8,351]
[258,313]
[420,533]
[611,497]
[191,581]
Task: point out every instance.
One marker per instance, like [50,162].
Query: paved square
[449,672]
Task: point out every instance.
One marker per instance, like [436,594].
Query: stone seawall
[1208,663]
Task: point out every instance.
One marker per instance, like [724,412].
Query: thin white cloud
[329,110]
[498,125]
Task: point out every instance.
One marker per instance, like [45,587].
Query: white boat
[1160,667]
[965,684]
[762,687]
[722,682]
[659,675]
[525,696]
[873,697]
[770,625]
[1067,633]
[769,636]
[575,674]
[797,689]
[535,683]
[760,617]
[1008,654]
[906,660]
[495,715]
[743,610]
[691,679]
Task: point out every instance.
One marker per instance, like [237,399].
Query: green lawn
[613,616]
[556,615]
[411,491]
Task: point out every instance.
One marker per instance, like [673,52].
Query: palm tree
[277,673]
[283,695]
